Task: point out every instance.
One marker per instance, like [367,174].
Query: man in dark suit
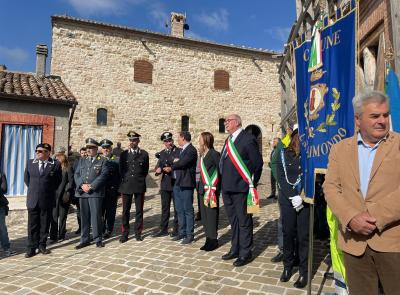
[90,176]
[235,188]
[113,181]
[134,167]
[165,159]
[184,168]
[42,177]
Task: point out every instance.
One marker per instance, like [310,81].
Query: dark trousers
[58,221]
[91,215]
[295,234]
[241,222]
[166,198]
[126,210]
[273,185]
[363,272]
[109,209]
[38,227]
[78,214]
[184,206]
[209,219]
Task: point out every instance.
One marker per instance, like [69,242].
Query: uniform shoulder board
[98,158]
[113,157]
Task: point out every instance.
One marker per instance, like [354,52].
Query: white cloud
[159,14]
[278,33]
[15,55]
[217,20]
[105,7]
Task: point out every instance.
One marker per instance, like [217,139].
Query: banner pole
[310,248]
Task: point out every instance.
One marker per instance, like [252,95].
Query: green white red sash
[252,196]
[210,185]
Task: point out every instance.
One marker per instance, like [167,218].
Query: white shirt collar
[185,146]
[236,133]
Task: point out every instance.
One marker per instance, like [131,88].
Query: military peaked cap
[106,143]
[45,146]
[91,142]
[166,136]
[133,135]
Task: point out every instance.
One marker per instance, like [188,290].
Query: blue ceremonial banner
[325,86]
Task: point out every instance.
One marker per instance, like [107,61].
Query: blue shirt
[366,156]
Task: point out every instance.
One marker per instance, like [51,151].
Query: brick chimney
[3,68]
[177,24]
[41,55]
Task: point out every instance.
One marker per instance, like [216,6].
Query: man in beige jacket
[362,187]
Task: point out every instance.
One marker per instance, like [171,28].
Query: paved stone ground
[156,265]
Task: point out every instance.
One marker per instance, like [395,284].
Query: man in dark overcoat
[42,177]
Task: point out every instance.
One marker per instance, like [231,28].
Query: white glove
[296,201]
[301,206]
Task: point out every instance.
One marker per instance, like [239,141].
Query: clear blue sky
[252,23]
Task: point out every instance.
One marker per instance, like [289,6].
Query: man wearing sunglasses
[134,167]
[42,177]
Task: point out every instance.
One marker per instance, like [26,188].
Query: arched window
[221,125]
[143,72]
[101,117]
[185,123]
[221,80]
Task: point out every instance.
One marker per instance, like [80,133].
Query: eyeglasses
[40,151]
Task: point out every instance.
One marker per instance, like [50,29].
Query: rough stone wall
[97,65]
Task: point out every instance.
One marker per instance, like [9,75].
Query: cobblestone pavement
[156,265]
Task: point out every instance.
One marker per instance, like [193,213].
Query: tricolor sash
[252,197]
[210,185]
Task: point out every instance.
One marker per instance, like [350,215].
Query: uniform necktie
[41,168]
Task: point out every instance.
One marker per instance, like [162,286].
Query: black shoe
[44,251]
[286,275]
[107,235]
[230,255]
[212,245]
[82,245]
[138,237]
[241,261]
[123,239]
[177,238]
[30,253]
[187,240]
[161,233]
[100,244]
[301,282]
[277,258]
[78,231]
[205,244]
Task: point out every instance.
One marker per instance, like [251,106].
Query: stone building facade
[151,83]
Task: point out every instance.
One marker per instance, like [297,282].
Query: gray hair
[238,119]
[365,97]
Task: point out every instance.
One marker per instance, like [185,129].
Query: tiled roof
[32,87]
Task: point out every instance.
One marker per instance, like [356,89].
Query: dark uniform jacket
[185,167]
[94,173]
[165,159]
[65,185]
[42,188]
[114,177]
[3,190]
[211,161]
[247,147]
[133,169]
[293,169]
